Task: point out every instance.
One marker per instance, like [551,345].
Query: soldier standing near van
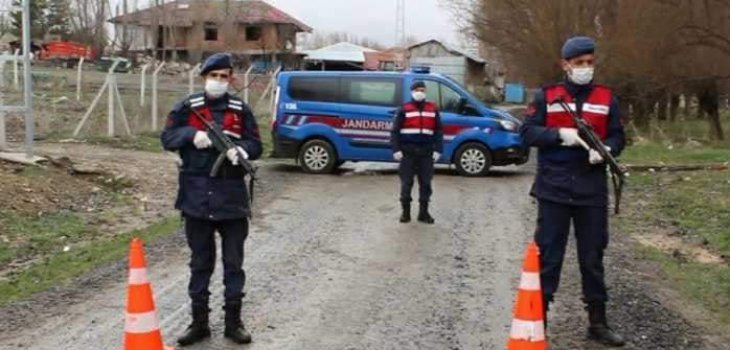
[571,182]
[417,141]
[214,202]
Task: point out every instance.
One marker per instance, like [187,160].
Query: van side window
[433,93]
[321,89]
[449,100]
[443,96]
[371,91]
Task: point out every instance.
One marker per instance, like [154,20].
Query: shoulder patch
[196,100]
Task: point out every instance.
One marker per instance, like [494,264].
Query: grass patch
[708,284]
[33,172]
[38,236]
[680,130]
[147,141]
[684,141]
[654,153]
[150,141]
[695,205]
[62,267]
[698,203]
[264,123]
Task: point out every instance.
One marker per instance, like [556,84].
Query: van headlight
[508,125]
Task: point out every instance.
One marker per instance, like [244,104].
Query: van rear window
[322,89]
[371,91]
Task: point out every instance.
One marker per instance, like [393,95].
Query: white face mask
[418,96]
[581,76]
[215,88]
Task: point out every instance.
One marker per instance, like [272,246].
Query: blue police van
[323,119]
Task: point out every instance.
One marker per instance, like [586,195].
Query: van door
[368,107]
[449,102]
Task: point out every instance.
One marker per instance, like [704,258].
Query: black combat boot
[199,329]
[406,215]
[235,330]
[423,215]
[599,330]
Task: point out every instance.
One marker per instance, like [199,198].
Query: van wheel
[473,159]
[317,157]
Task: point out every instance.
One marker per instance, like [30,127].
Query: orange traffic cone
[141,329]
[528,329]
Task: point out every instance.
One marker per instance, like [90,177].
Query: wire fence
[62,97]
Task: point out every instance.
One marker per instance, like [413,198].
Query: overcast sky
[374,19]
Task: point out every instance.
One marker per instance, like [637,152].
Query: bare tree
[650,51]
[88,20]
[5,25]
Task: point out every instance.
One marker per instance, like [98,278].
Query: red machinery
[66,50]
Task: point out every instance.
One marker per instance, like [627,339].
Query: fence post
[191,78]
[115,87]
[268,87]
[154,95]
[78,79]
[16,76]
[274,90]
[246,82]
[110,119]
[107,83]
[27,82]
[3,139]
[142,84]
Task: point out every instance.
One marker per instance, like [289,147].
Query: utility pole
[27,82]
[400,23]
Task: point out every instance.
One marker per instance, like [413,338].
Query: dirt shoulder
[154,180]
[666,267]
[329,265]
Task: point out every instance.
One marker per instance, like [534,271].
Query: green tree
[38,20]
[59,18]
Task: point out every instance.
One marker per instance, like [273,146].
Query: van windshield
[469,95]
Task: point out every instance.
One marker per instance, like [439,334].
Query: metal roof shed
[340,56]
[464,67]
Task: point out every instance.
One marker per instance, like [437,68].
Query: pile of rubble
[170,68]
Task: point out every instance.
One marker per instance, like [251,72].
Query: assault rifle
[222,144]
[585,131]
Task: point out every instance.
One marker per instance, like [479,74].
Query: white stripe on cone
[527,330]
[138,277]
[530,281]
[141,323]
